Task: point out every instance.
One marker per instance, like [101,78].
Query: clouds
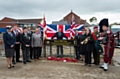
[56,9]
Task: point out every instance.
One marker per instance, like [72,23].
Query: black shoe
[19,61]
[14,62]
[24,62]
[28,61]
[101,67]
[105,69]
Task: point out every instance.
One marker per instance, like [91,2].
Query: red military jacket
[94,36]
[110,41]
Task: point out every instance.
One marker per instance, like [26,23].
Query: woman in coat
[88,46]
[9,42]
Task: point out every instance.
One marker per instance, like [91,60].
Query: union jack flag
[66,29]
[42,26]
[52,29]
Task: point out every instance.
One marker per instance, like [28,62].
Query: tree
[93,20]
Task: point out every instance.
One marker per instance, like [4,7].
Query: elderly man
[36,43]
[26,41]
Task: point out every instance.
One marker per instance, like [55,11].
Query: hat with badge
[103,22]
[8,27]
[95,27]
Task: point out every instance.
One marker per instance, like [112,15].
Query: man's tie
[16,33]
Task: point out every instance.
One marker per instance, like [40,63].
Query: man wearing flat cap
[108,45]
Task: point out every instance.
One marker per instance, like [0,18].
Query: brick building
[68,18]
[20,22]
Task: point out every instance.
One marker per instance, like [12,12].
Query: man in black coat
[17,45]
[31,49]
[59,35]
[25,40]
[77,46]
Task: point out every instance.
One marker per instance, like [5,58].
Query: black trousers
[31,52]
[60,48]
[77,52]
[26,56]
[37,52]
[17,53]
[88,58]
[96,56]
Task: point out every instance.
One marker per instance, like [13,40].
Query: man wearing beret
[96,55]
[108,45]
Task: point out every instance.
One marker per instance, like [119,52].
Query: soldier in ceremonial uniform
[108,36]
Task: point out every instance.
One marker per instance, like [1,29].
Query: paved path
[44,69]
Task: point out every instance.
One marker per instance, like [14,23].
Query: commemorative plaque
[60,42]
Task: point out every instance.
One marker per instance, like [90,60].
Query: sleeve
[5,40]
[54,35]
[32,40]
[41,42]
[91,40]
[14,40]
[22,40]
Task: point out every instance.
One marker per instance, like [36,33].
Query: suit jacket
[25,39]
[77,39]
[17,36]
[59,37]
[36,40]
[8,40]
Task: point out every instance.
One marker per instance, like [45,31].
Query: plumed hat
[103,22]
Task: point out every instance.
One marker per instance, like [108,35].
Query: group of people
[30,43]
[86,44]
[87,41]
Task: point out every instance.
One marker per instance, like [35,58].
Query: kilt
[9,53]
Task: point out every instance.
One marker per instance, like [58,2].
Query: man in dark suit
[25,40]
[31,49]
[77,46]
[59,35]
[17,45]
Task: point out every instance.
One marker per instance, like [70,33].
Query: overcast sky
[55,10]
